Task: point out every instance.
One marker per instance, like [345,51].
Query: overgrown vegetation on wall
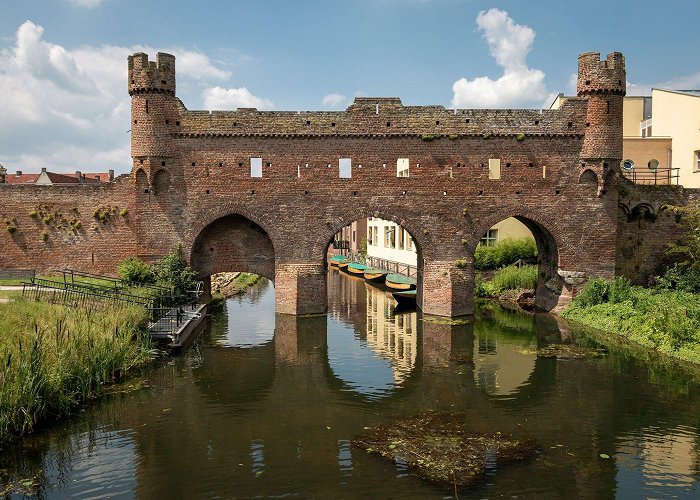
[53,357]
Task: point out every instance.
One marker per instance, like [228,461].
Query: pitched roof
[21,179]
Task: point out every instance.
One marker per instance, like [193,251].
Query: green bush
[136,271]
[504,253]
[595,292]
[173,271]
[680,278]
[619,290]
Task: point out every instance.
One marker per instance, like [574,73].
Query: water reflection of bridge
[282,410]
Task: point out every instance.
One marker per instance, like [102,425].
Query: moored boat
[405,298]
[355,268]
[399,282]
[337,259]
[375,275]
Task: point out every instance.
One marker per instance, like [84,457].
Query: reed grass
[53,357]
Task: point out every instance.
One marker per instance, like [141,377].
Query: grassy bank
[661,319]
[53,357]
[506,278]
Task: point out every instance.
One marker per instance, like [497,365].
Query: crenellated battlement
[596,76]
[151,76]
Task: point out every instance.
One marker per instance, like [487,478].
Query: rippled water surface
[265,405]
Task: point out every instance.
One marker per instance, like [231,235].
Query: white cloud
[509,44]
[86,3]
[333,101]
[221,99]
[68,109]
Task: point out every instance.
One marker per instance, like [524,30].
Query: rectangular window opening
[696,165]
[494,168]
[402,167]
[345,168]
[402,239]
[370,235]
[256,167]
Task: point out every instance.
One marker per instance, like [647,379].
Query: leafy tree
[134,270]
[686,250]
[173,271]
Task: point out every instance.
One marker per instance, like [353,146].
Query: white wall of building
[382,245]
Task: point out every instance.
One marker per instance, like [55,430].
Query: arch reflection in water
[371,347]
[248,326]
[503,363]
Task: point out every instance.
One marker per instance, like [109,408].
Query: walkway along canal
[267,405]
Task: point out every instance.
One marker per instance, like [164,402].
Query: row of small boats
[403,288]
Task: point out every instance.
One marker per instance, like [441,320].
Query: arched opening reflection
[372,348]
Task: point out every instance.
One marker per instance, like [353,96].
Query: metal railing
[393,266]
[167,312]
[659,176]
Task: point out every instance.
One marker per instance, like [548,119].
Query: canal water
[265,405]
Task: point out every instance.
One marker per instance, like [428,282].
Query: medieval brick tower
[603,84]
[154,116]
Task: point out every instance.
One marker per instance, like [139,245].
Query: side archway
[233,243]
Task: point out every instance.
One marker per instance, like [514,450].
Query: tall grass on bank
[662,319]
[53,357]
[506,278]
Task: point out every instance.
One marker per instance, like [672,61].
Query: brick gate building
[265,192]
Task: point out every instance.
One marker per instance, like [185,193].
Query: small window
[376,236]
[256,167]
[490,238]
[696,164]
[370,235]
[628,165]
[409,242]
[653,165]
[354,235]
[494,169]
[402,239]
[345,168]
[389,236]
[402,167]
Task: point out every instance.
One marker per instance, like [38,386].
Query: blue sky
[63,99]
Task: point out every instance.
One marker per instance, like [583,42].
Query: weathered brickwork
[647,223]
[191,184]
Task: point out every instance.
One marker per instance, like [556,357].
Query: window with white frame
[389,236]
[696,163]
[370,235]
[409,242]
[490,238]
[256,167]
[402,167]
[402,239]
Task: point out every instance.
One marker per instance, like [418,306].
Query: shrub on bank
[53,357]
[134,270]
[504,253]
